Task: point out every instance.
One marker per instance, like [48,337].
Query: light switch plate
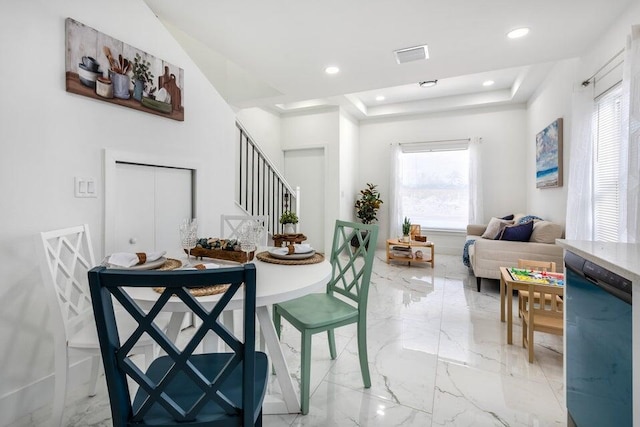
[85,187]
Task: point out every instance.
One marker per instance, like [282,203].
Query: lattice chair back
[230,226]
[352,265]
[68,255]
[182,387]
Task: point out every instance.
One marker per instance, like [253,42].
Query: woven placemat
[266,257]
[172,264]
[202,292]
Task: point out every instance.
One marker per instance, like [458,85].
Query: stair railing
[261,188]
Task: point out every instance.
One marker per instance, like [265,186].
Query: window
[434,187]
[606,165]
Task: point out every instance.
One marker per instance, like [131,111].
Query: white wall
[349,165]
[604,46]
[48,136]
[265,129]
[503,134]
[551,101]
[314,129]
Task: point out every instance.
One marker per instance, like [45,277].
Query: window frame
[607,139]
[431,147]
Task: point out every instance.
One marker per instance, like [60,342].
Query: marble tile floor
[438,357]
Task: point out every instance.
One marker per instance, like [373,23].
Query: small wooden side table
[411,244]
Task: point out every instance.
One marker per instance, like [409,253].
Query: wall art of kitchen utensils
[107,69]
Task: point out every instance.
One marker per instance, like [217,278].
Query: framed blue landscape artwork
[549,156]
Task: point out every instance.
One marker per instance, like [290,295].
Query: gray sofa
[487,255]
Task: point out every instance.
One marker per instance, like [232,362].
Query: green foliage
[406,226]
[368,204]
[141,70]
[288,217]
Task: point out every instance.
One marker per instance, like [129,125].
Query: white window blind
[606,165]
[434,185]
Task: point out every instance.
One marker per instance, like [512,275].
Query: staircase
[261,189]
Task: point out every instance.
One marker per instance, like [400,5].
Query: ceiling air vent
[409,54]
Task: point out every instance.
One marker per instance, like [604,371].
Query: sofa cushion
[494,227]
[517,232]
[546,232]
[508,217]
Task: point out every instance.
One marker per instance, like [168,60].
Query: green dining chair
[313,313]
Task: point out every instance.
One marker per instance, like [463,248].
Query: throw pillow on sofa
[494,228]
[528,218]
[517,232]
[546,232]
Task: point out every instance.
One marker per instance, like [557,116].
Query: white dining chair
[230,226]
[67,256]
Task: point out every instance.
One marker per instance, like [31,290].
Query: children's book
[541,277]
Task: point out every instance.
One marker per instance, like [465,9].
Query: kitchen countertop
[620,258]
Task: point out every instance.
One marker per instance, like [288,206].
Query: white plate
[146,266]
[283,253]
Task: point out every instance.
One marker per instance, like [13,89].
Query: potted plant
[142,76]
[367,208]
[368,204]
[288,219]
[406,230]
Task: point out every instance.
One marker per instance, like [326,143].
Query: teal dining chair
[351,273]
[180,387]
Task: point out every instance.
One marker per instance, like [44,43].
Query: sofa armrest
[475,229]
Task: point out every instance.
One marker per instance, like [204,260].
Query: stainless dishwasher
[598,345]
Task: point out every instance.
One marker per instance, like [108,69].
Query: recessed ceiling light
[488,83]
[428,83]
[380,98]
[332,70]
[517,33]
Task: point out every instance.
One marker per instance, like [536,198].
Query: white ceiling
[273,53]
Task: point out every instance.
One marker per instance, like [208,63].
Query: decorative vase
[138,88]
[120,85]
[289,228]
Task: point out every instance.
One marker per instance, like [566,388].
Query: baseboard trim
[25,400]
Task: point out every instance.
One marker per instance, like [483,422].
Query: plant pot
[406,238]
[288,228]
[138,88]
[356,243]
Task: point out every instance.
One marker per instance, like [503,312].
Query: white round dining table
[274,283]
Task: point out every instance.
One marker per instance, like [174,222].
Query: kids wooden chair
[544,315]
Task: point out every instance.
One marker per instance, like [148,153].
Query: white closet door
[150,204]
[135,199]
[173,204]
